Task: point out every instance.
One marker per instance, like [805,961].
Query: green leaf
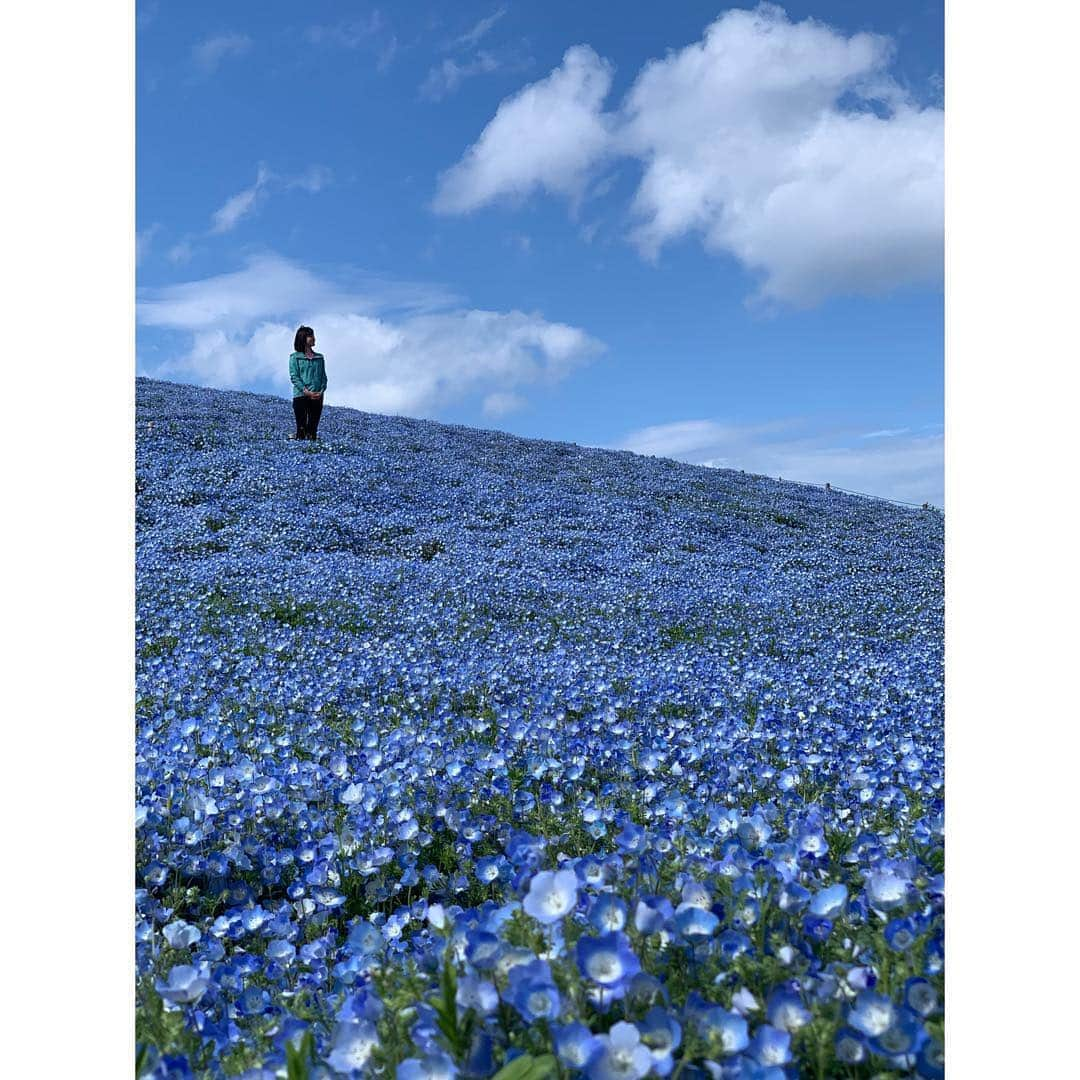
[298,1058]
[528,1067]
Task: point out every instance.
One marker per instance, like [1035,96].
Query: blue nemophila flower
[744,1002]
[532,991]
[829,903]
[930,1061]
[488,868]
[902,1038]
[511,957]
[645,990]
[361,1004]
[850,1046]
[185,984]
[552,895]
[365,939]
[608,959]
[861,978]
[694,922]
[793,897]
[476,993]
[662,1034]
[353,1043]
[812,842]
[726,1031]
[608,912]
[754,831]
[622,1055]
[254,1001]
[901,934]
[482,949]
[921,997]
[480,1060]
[631,838]
[733,944]
[786,1011]
[435,1066]
[180,934]
[567,682]
[171,1067]
[885,890]
[575,1045]
[872,1014]
[652,913]
[771,1046]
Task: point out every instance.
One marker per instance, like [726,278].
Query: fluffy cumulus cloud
[899,464]
[390,347]
[785,145]
[547,136]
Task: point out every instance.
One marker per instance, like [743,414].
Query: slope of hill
[387,683]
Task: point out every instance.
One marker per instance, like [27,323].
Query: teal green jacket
[307,374]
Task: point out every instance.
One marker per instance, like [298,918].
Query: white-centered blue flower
[180,934]
[552,895]
[185,985]
[872,1014]
[622,1055]
[829,903]
[354,1041]
[436,1066]
[885,890]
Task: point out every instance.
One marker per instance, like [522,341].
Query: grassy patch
[160,646]
[683,634]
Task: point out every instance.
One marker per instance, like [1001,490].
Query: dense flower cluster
[462,754]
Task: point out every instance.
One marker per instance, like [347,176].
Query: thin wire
[863,494]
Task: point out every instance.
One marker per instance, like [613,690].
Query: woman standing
[307,371]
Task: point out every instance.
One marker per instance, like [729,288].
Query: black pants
[307,410]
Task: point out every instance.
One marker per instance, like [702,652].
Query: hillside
[418,664]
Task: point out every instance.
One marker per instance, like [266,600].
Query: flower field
[460,754]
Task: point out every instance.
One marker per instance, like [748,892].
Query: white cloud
[443,79]
[270,285]
[313,179]
[372,33]
[349,33]
[904,469]
[501,402]
[472,36]
[143,239]
[786,145]
[180,252]
[885,433]
[549,135]
[146,13]
[209,54]
[241,204]
[389,347]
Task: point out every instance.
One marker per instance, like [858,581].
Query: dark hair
[300,341]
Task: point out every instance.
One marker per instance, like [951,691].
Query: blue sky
[709,233]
